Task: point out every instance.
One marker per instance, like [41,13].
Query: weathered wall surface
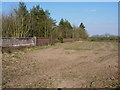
[18,42]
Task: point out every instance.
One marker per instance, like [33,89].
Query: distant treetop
[82,25]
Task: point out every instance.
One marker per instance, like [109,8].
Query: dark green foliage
[37,22]
[80,32]
[41,23]
[82,25]
[83,33]
[22,23]
[60,38]
[65,29]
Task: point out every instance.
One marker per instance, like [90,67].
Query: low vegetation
[17,51]
[105,37]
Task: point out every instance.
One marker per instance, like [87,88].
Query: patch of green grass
[76,48]
[41,47]
[102,58]
[85,45]
[83,56]
[114,84]
[57,45]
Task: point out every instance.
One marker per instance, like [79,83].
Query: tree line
[105,37]
[38,23]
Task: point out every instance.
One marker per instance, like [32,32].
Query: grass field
[78,64]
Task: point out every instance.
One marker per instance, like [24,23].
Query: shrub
[60,38]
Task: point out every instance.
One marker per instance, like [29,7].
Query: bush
[60,38]
[103,38]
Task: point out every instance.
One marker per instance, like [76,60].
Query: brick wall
[42,41]
[32,41]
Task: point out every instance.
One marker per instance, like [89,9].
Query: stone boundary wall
[6,42]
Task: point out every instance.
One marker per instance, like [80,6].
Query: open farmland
[78,64]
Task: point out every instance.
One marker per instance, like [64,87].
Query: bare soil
[78,64]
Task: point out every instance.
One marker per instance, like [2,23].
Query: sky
[98,17]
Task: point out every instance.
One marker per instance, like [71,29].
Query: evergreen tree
[82,25]
[82,32]
[65,28]
[37,22]
[21,20]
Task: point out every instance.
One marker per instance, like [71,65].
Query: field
[80,64]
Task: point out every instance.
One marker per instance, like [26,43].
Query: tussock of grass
[114,84]
[27,50]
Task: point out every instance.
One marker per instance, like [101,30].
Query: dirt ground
[80,64]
